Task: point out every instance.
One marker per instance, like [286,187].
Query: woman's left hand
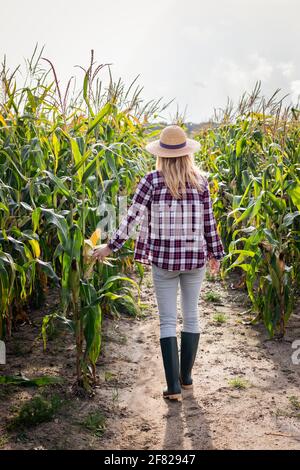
[214,266]
[101,253]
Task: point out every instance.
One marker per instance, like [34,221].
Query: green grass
[220,318]
[109,376]
[238,383]
[212,296]
[288,413]
[294,401]
[145,308]
[95,422]
[35,411]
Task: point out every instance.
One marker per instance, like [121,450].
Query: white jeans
[166,287]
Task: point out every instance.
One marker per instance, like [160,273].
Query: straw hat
[173,142]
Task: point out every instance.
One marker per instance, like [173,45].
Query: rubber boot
[170,357]
[188,351]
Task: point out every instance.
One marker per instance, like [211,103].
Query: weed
[95,422]
[294,401]
[35,411]
[212,296]
[109,376]
[238,383]
[220,318]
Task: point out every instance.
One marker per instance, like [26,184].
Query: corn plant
[62,155]
[253,156]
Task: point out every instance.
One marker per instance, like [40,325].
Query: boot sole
[177,397]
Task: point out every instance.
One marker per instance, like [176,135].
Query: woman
[177,236]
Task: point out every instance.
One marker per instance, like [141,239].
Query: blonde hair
[177,171]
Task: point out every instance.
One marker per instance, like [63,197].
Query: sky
[197,52]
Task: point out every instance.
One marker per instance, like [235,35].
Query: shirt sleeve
[214,244]
[135,213]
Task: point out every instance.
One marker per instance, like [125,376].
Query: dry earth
[263,414]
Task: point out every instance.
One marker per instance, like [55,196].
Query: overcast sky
[196,51]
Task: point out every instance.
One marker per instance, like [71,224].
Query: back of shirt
[175,234]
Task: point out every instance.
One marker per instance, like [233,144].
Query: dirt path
[216,415]
[263,414]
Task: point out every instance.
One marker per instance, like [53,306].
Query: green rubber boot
[170,357]
[188,351]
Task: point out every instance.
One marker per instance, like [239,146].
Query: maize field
[63,155]
[253,156]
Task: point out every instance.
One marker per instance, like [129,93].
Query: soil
[246,388]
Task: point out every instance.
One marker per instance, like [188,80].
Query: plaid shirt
[174,234]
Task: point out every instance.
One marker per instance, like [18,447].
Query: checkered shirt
[174,234]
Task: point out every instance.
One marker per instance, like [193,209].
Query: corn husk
[88,259]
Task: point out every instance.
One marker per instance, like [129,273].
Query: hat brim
[190,147]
